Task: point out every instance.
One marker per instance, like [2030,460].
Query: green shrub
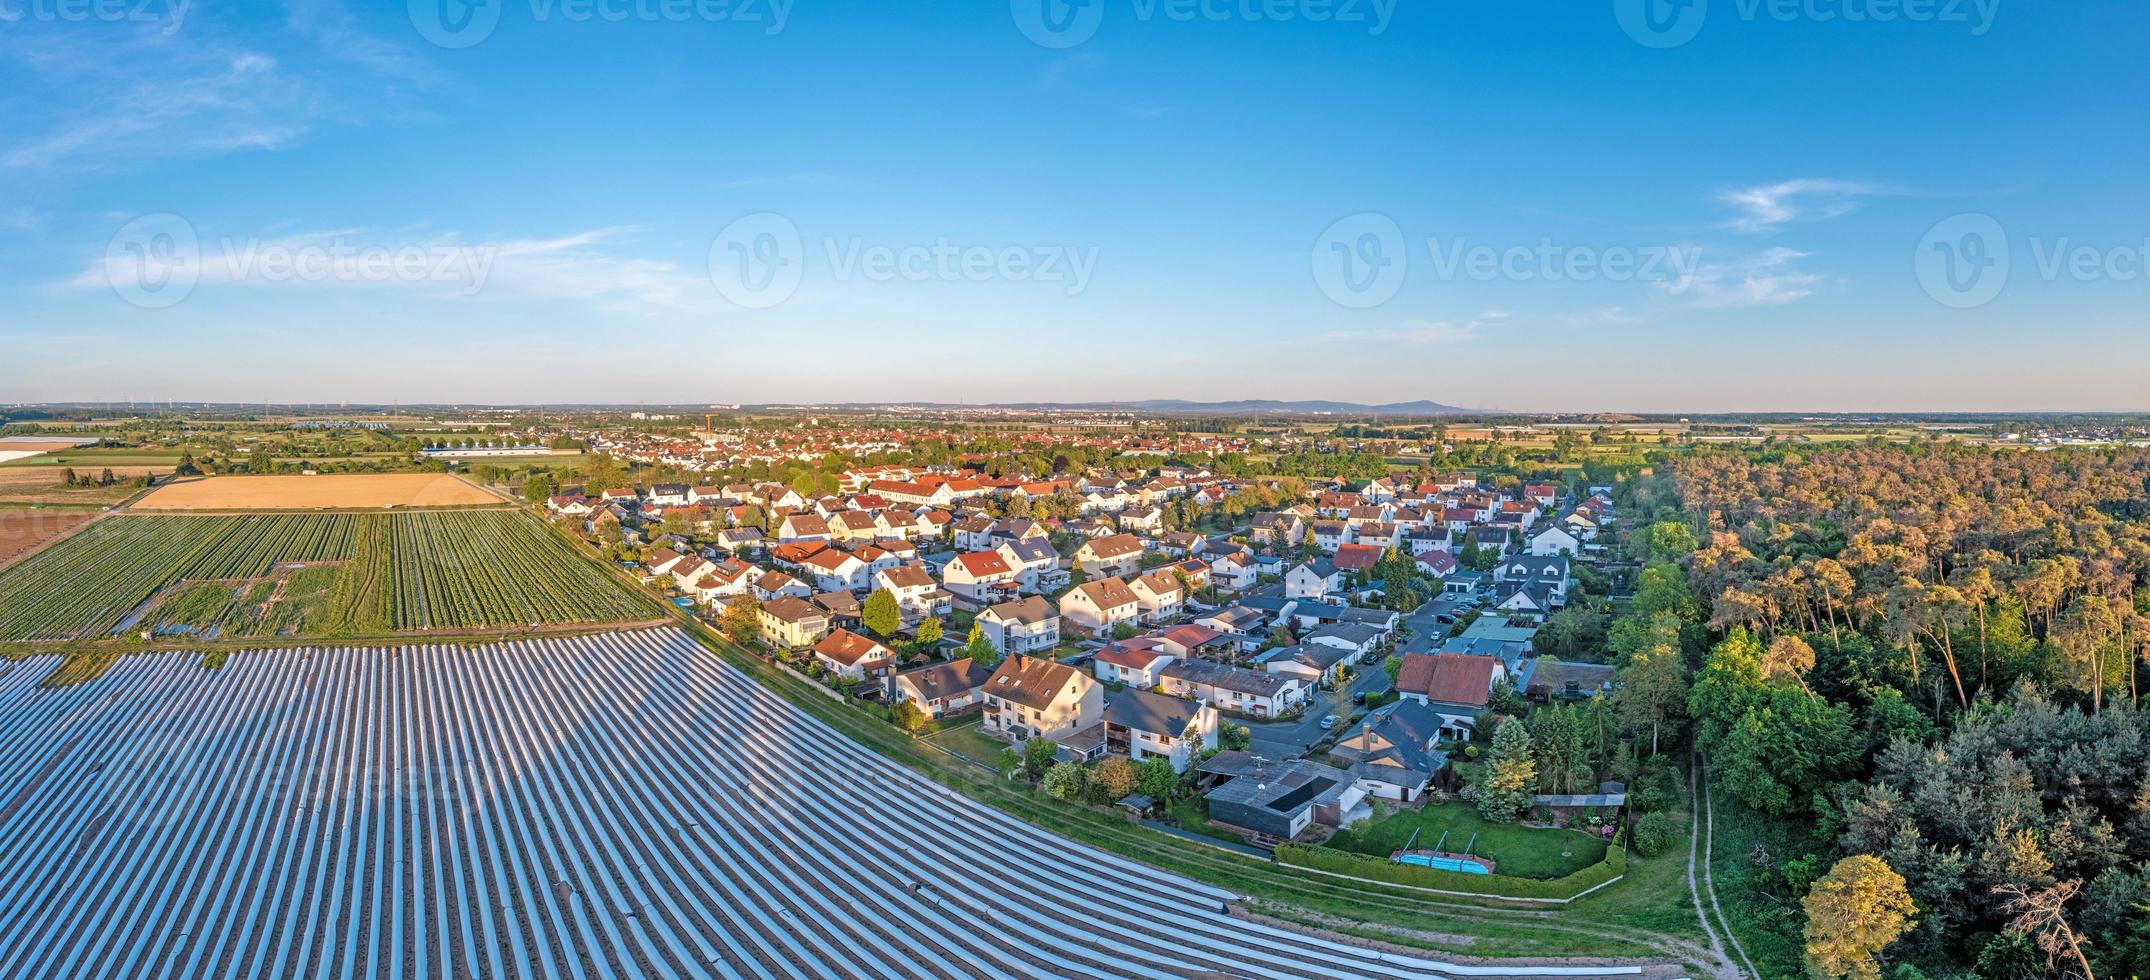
[1654,833]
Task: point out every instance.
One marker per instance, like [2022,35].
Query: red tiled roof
[1447,677]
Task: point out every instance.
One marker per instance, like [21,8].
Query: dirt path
[1709,883]
[1698,849]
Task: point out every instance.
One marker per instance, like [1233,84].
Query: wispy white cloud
[129,95]
[1768,279]
[159,103]
[1766,207]
[1421,333]
[584,268]
[1610,316]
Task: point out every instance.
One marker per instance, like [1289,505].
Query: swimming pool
[1442,863]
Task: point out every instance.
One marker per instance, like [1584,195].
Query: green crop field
[315,575]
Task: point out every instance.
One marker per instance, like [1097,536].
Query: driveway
[1289,739]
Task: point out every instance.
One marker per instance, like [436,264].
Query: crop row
[466,570]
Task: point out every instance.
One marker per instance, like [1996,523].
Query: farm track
[620,805]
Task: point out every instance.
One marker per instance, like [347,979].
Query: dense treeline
[1932,656]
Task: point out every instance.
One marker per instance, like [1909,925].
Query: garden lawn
[1516,851]
[964,736]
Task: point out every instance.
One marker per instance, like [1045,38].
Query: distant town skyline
[1531,208]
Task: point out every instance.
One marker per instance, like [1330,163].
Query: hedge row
[1499,886]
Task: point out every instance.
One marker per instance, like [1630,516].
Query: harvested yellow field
[343,491]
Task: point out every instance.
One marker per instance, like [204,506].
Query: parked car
[1358,697]
[1328,722]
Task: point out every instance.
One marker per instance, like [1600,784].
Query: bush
[1651,799]
[1113,778]
[1065,781]
[1654,833]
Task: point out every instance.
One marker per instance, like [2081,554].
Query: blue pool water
[1443,863]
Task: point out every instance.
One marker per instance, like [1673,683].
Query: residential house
[1097,607]
[776,585]
[942,689]
[740,539]
[1392,754]
[1356,639]
[803,527]
[1280,529]
[1147,520]
[793,623]
[1021,626]
[1032,697]
[1313,579]
[1279,800]
[836,571]
[1356,559]
[918,596]
[848,655]
[1455,687]
[981,578]
[1141,725]
[1555,538]
[1159,595]
[1135,663]
[1330,535]
[1316,665]
[1116,554]
[1232,568]
[1236,689]
[857,526]
[1036,564]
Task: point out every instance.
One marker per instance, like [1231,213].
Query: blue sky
[674,201]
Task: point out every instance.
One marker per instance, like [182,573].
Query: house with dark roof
[1142,725]
[1314,579]
[941,689]
[1314,663]
[1235,689]
[1392,753]
[1279,799]
[1026,625]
